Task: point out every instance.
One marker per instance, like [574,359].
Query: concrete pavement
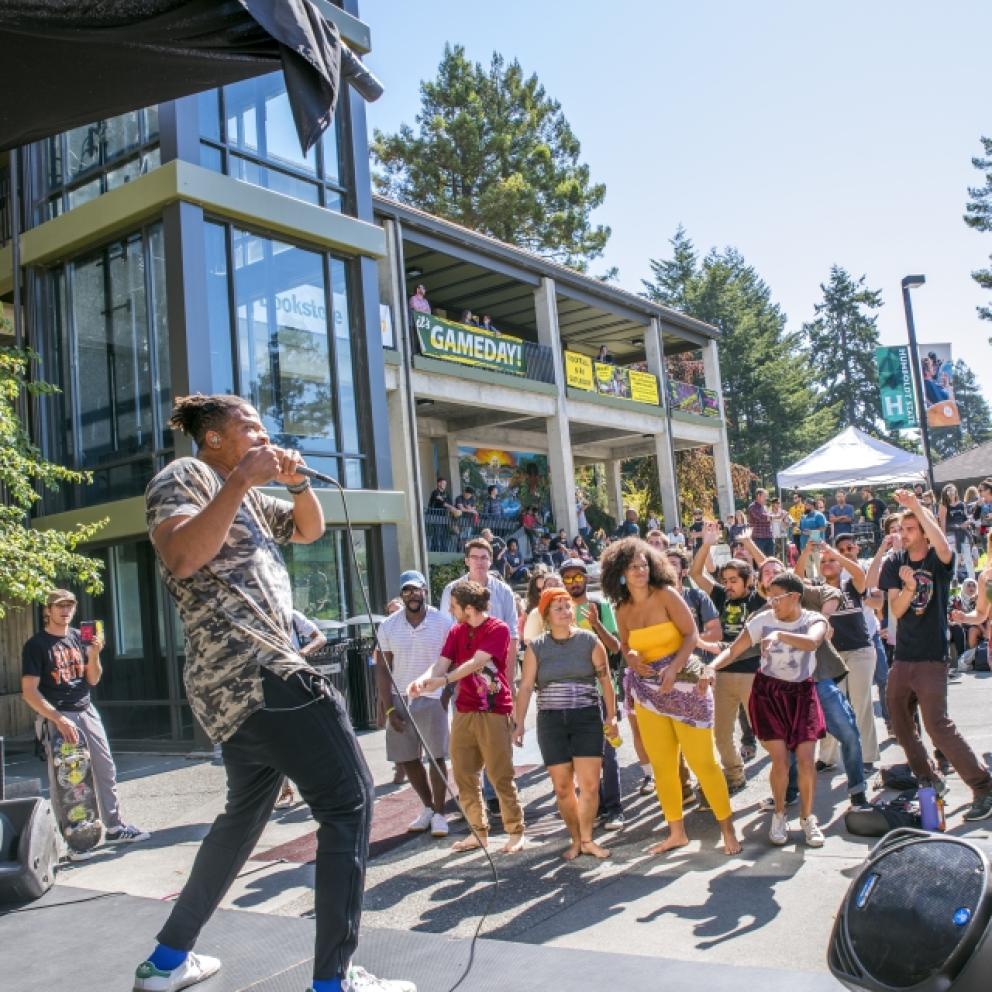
[769,907]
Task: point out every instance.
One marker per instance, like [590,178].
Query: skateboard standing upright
[72,793]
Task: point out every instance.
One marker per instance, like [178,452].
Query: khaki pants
[483,740]
[858,684]
[730,691]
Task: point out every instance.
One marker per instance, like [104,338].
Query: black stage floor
[94,946]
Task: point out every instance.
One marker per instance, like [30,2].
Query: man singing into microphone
[217,536]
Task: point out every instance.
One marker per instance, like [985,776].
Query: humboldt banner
[451,342]
[937,374]
[895,385]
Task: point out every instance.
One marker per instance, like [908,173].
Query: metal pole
[914,362]
[15,245]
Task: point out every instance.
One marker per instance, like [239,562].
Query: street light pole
[908,283]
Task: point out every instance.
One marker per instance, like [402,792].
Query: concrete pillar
[724,479]
[560,463]
[654,348]
[402,412]
[409,545]
[711,368]
[614,488]
[721,450]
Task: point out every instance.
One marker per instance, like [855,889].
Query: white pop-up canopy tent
[854,458]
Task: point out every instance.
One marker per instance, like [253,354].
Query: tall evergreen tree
[673,276]
[773,416]
[842,339]
[978,214]
[976,417]
[494,152]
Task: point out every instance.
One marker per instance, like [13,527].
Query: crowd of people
[705,659]
[681,649]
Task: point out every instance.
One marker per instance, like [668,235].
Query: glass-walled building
[193,247]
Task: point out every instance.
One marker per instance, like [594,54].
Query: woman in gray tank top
[568,666]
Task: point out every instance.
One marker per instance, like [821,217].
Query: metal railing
[448,533]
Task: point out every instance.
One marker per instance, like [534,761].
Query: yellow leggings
[663,738]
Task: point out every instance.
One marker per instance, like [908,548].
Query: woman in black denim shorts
[565,664]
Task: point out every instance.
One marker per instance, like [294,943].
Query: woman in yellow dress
[674,706]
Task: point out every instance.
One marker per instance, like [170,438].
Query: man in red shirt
[474,659]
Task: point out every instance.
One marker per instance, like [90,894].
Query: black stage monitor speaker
[29,849]
[917,917]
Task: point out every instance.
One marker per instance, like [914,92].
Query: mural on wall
[522,477]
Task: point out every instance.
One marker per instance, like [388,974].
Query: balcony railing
[448,533]
[618,381]
[475,347]
[684,397]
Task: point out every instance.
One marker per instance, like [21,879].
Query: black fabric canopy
[71,62]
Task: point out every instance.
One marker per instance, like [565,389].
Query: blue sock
[166,958]
[326,985]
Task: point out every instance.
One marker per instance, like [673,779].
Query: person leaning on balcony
[419,302]
[492,506]
[441,515]
[605,356]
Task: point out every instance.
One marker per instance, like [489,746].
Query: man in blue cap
[411,641]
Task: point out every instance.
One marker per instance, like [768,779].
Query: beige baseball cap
[60,596]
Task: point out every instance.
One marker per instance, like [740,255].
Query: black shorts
[566,734]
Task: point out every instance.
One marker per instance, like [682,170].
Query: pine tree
[978,214]
[773,416]
[493,152]
[33,561]
[842,339]
[976,417]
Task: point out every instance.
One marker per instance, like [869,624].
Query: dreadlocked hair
[196,414]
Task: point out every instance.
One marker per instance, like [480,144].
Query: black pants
[315,746]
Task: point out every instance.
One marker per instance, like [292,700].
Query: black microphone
[312,473]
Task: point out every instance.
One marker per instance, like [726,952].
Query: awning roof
[854,458]
[72,62]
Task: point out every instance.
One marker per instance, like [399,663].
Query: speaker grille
[910,909]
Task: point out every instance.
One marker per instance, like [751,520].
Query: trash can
[363,698]
[332,661]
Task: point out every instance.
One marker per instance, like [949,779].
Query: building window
[79,165]
[325,584]
[293,344]
[105,344]
[247,132]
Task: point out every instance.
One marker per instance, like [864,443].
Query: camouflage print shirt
[237,609]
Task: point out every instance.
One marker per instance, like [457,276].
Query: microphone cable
[310,473]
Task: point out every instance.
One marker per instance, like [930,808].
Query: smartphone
[87,631]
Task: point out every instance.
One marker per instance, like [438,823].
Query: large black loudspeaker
[29,849]
[917,917]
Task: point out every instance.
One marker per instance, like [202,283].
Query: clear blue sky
[802,134]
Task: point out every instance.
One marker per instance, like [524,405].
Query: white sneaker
[778,833]
[814,835]
[422,823]
[196,968]
[439,825]
[359,980]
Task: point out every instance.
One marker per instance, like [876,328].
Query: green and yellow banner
[451,342]
[581,372]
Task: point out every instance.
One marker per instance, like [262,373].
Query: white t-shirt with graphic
[783,661]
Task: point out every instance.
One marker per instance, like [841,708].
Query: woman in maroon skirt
[784,707]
